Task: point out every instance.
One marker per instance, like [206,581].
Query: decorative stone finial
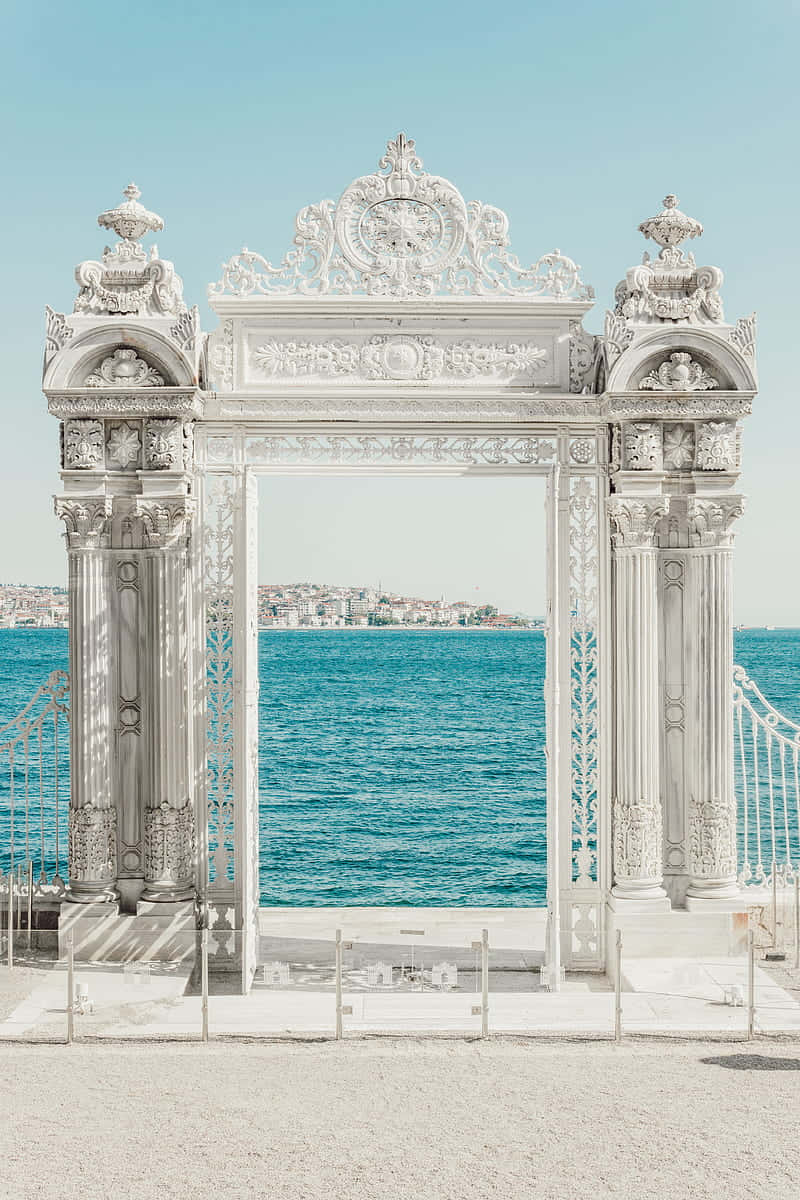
[671,226]
[130,220]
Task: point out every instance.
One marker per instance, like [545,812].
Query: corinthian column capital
[634,519]
[86,520]
[164,519]
[711,519]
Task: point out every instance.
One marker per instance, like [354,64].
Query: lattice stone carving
[93,844]
[584,675]
[124,368]
[678,373]
[220,501]
[83,445]
[401,232]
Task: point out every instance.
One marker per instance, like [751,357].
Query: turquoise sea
[396,766]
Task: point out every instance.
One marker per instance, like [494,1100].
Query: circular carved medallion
[402,358]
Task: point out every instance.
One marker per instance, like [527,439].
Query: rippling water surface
[396,767]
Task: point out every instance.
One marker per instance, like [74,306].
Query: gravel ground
[401,1119]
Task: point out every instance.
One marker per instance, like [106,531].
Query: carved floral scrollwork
[57,333]
[678,447]
[124,446]
[743,336]
[637,841]
[93,844]
[679,373]
[169,845]
[124,368]
[711,519]
[83,445]
[712,839]
[86,520]
[642,447]
[163,444]
[164,521]
[717,446]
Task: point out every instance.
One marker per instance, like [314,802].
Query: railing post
[797,920]
[10,917]
[751,985]
[204,979]
[484,983]
[774,903]
[338,985]
[30,900]
[70,989]
[618,989]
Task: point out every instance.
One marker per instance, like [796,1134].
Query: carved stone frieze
[637,841]
[581,358]
[689,405]
[404,233]
[642,447]
[165,521]
[409,408]
[83,445]
[634,519]
[711,519]
[124,368]
[678,373]
[57,333]
[169,845]
[163,445]
[86,520]
[177,401]
[717,446]
[678,447]
[399,357]
[93,845]
[124,446]
[370,449]
[712,839]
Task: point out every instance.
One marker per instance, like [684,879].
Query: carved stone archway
[399,335]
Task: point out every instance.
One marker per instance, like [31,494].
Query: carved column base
[92,854]
[637,851]
[712,851]
[169,849]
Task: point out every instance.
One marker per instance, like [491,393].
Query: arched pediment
[117,355]
[682,359]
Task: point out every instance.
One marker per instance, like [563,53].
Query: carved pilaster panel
[717,446]
[123,445]
[83,445]
[678,447]
[163,444]
[641,442]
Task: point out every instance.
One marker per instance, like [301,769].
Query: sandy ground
[401,1119]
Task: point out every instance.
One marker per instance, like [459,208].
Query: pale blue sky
[575,118]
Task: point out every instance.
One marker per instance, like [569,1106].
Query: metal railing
[34,793]
[767,781]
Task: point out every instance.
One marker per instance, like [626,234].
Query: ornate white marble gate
[399,335]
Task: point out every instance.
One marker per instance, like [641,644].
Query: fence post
[797,920]
[70,989]
[484,983]
[10,917]
[204,979]
[30,900]
[774,905]
[618,990]
[338,985]
[751,985]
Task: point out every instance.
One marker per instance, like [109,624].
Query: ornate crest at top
[127,280]
[130,220]
[672,287]
[404,233]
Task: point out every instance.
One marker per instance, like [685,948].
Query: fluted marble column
[169,837]
[711,798]
[636,811]
[92,816]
